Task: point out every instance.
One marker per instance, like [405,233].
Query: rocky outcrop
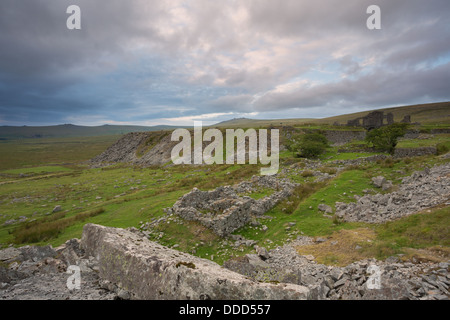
[150,271]
[421,190]
[138,148]
[223,210]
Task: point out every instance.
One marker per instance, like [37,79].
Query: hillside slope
[432,113]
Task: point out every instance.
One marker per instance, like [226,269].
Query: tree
[386,138]
[309,145]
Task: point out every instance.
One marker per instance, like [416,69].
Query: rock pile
[223,210]
[421,190]
[40,273]
[397,280]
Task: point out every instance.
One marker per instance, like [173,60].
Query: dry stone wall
[223,210]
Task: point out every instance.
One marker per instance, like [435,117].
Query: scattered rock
[325,208]
[378,181]
[262,253]
[421,190]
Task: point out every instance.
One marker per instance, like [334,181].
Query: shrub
[329,170]
[307,173]
[388,163]
[386,138]
[442,148]
[49,227]
[309,145]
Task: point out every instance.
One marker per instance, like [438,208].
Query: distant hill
[245,122]
[432,113]
[70,130]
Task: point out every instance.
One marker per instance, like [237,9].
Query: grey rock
[9,254]
[325,208]
[123,295]
[387,185]
[262,253]
[156,272]
[378,181]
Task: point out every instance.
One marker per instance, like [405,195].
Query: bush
[307,173]
[386,138]
[442,148]
[309,145]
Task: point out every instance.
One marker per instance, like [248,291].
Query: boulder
[387,185]
[151,271]
[325,208]
[262,253]
[378,181]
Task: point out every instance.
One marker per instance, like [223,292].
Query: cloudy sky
[149,62]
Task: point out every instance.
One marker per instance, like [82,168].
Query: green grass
[432,141]
[124,196]
[16,154]
[37,170]
[418,231]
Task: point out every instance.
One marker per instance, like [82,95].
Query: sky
[150,62]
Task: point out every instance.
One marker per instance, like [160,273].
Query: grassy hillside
[433,113]
[429,115]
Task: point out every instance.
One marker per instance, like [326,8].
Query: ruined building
[375,120]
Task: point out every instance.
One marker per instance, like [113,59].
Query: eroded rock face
[151,271]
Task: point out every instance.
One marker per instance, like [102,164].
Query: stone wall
[150,271]
[340,137]
[414,152]
[223,211]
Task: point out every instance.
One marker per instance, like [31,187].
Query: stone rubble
[423,189]
[398,280]
[40,273]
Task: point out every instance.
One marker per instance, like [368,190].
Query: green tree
[386,138]
[309,145]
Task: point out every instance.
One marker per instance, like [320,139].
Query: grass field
[17,154]
[36,175]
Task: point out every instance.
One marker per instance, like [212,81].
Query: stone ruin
[375,120]
[224,209]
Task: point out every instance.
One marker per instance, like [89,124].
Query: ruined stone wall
[223,211]
[414,152]
[340,137]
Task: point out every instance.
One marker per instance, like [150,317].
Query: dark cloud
[138,59]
